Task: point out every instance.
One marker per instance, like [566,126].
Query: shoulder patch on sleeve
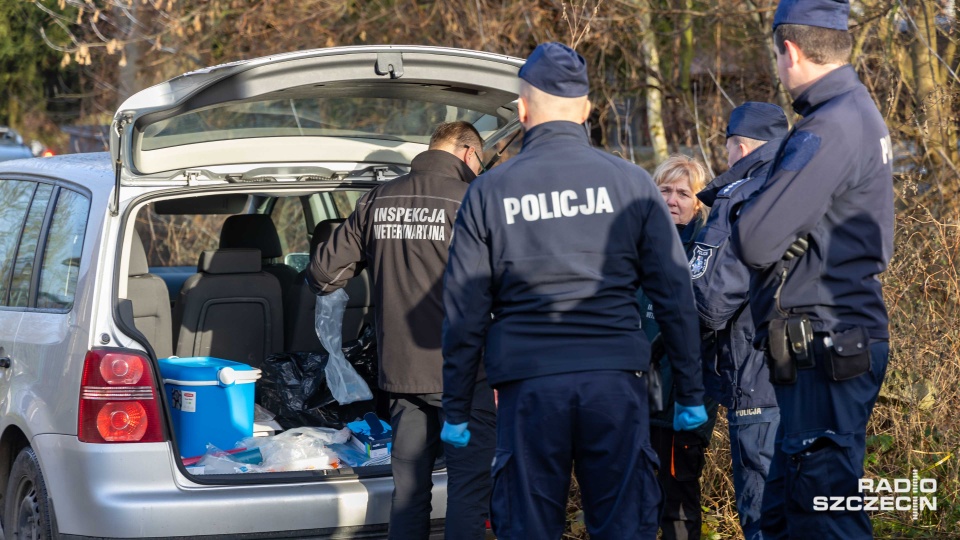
[700,260]
[800,148]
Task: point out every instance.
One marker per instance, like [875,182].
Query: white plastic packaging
[345,383]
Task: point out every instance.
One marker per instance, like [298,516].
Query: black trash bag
[294,387]
[362,355]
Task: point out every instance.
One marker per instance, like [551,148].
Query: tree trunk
[654,83]
[686,45]
[127,73]
[765,27]
[932,97]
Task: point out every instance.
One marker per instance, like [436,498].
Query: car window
[61,255]
[27,251]
[177,239]
[346,201]
[396,119]
[288,218]
[14,200]
[334,204]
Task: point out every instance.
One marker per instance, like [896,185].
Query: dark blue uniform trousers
[416,420]
[820,450]
[594,422]
[752,444]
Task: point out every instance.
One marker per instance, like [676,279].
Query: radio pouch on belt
[848,354]
[800,336]
[783,368]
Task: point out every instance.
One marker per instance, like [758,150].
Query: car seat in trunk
[230,309]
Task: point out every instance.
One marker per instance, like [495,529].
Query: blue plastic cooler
[211,401]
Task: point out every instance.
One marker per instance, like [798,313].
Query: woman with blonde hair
[681,453]
[680,178]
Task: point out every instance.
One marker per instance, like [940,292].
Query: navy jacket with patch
[734,372]
[547,254]
[832,182]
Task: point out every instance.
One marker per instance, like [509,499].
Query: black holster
[790,348]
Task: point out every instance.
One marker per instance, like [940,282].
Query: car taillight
[118,399]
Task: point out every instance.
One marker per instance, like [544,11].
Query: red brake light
[118,399]
[122,421]
[47,153]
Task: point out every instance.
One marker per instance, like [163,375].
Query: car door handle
[5,362]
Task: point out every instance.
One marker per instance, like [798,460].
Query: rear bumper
[137,491]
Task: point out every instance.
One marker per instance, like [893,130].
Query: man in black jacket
[402,231]
[819,232]
[734,372]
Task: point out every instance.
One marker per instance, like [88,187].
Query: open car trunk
[317,128]
[272,417]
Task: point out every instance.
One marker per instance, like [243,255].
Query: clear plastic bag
[345,383]
[216,461]
[299,449]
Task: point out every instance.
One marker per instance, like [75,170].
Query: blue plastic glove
[688,418]
[458,435]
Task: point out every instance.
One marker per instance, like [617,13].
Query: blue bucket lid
[197,368]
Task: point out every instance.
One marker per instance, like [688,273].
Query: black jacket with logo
[401,231]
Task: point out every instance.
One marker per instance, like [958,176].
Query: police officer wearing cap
[734,372]
[547,255]
[818,233]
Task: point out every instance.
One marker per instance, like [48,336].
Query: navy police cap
[756,120]
[831,14]
[557,70]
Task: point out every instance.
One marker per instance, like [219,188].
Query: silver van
[189,239]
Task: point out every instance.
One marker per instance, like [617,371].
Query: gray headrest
[253,231]
[229,261]
[323,232]
[138,257]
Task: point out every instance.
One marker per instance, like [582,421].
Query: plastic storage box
[211,401]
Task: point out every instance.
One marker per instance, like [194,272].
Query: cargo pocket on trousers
[824,471]
[500,496]
[686,461]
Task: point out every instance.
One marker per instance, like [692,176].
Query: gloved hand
[458,435]
[688,418]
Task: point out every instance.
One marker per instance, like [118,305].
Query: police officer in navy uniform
[548,252]
[734,372]
[401,230]
[819,232]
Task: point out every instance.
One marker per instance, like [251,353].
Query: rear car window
[61,256]
[15,196]
[27,251]
[395,119]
